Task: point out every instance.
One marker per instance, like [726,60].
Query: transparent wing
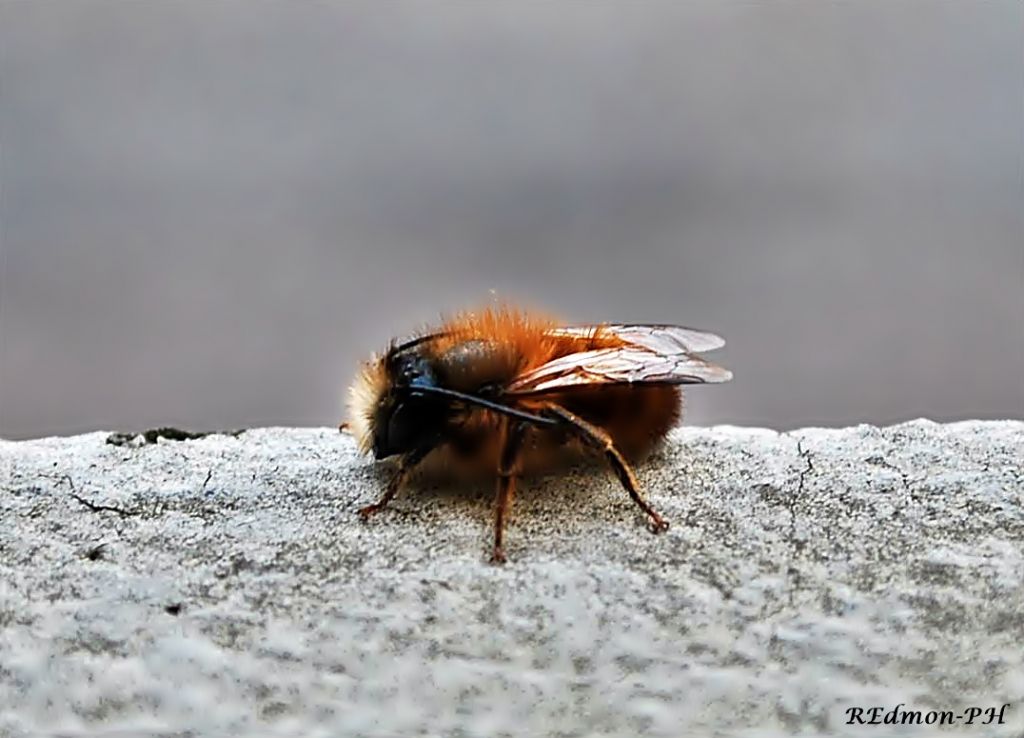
[623,365]
[661,339]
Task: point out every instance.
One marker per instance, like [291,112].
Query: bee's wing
[666,340]
[622,365]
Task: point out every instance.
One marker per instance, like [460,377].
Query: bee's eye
[408,423]
[399,427]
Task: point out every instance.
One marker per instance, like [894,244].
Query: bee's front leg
[389,494]
[406,464]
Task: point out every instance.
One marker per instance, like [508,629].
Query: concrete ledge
[224,585]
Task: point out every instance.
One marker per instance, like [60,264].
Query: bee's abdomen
[636,417]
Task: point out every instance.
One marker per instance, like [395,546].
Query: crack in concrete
[796,547]
[885,463]
[806,456]
[94,507]
[103,508]
[900,508]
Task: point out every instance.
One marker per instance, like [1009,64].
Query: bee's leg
[389,494]
[601,441]
[508,468]
[405,466]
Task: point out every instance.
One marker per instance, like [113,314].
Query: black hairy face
[408,420]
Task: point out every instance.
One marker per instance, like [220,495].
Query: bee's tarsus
[657,524]
[405,467]
[365,513]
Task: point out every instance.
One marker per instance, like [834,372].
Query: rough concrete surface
[224,585]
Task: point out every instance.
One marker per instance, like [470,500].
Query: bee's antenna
[399,348]
[481,402]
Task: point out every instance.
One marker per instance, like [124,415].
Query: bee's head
[388,415]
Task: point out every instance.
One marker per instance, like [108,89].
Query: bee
[508,391]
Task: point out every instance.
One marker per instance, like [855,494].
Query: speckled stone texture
[225,585]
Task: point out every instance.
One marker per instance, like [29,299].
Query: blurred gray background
[210,211]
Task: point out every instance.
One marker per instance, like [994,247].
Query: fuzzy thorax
[364,396]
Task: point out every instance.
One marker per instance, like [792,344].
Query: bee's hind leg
[598,439]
